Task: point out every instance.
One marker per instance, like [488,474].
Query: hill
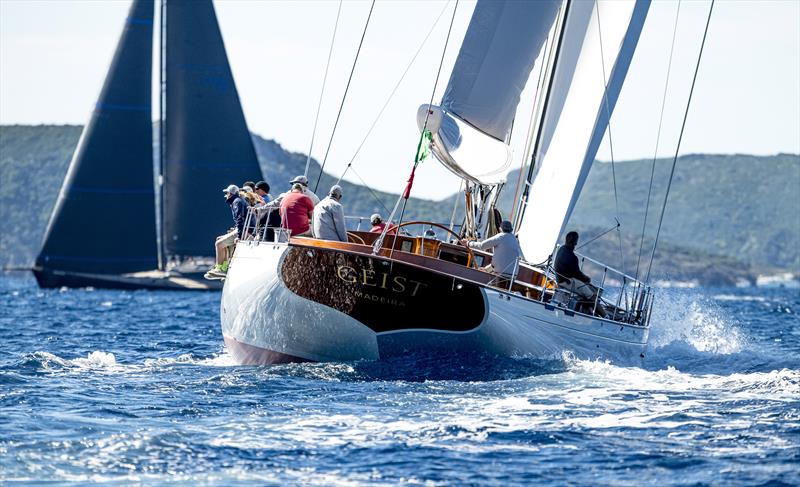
[739,206]
[729,217]
[34,160]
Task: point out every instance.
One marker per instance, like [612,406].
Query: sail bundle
[471,127]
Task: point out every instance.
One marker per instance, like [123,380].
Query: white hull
[263,321]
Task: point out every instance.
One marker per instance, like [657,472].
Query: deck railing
[624,298]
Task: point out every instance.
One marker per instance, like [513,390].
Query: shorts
[227,240]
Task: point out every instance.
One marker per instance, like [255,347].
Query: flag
[424,149]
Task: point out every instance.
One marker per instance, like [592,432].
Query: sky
[54,56]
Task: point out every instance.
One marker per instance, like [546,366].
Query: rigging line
[552,65]
[529,138]
[344,97]
[680,138]
[374,195]
[379,240]
[324,82]
[610,139]
[455,204]
[391,95]
[658,139]
[584,244]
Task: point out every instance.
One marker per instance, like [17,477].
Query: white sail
[501,45]
[578,109]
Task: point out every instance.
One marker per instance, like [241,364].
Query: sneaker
[215,274]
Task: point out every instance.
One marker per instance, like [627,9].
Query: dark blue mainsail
[207,143]
[104,220]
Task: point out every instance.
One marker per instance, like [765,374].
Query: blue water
[135,387]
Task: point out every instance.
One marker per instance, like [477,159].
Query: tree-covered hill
[741,206]
[729,217]
[34,160]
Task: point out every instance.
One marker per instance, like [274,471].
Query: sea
[126,388]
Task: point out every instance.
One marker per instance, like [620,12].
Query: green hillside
[745,207]
[34,160]
[729,217]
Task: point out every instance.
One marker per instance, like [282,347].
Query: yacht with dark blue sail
[130,215]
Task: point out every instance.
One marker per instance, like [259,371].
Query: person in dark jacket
[570,276]
[224,244]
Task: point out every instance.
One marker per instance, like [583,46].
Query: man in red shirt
[378,225]
[296,212]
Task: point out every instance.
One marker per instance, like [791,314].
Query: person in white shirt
[329,217]
[506,250]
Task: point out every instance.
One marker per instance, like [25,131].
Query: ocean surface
[136,387]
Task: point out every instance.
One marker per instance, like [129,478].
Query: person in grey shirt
[506,250]
[329,217]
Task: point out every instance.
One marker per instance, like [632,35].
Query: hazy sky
[54,56]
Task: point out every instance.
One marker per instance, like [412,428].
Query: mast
[162,130]
[545,98]
[579,106]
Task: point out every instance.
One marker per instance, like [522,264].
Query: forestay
[578,109]
[471,128]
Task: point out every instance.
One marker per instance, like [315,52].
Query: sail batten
[207,143]
[104,219]
[580,105]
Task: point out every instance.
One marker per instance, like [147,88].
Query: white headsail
[579,104]
[471,127]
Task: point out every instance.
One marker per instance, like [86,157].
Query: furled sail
[207,145]
[104,220]
[501,45]
[580,102]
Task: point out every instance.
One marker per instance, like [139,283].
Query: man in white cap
[224,243]
[378,225]
[506,250]
[329,217]
[303,181]
[266,210]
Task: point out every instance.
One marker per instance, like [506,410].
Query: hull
[289,302]
[154,280]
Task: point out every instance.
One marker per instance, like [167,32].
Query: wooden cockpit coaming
[528,285]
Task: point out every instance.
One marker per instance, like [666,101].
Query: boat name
[380,299]
[382,280]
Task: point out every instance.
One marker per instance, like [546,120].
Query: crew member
[569,275]
[223,246]
[296,212]
[329,217]
[506,250]
[378,225]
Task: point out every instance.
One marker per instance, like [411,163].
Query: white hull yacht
[316,300]
[386,294]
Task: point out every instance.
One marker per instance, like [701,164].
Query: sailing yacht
[119,222]
[381,295]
